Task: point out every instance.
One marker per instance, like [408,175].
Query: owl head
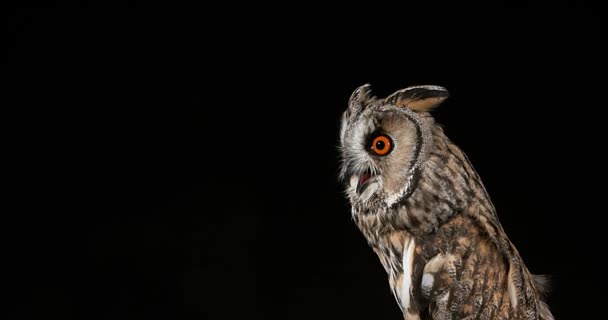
[384,142]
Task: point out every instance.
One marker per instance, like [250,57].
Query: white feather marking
[433,266]
[428,87]
[406,284]
[369,191]
[354,180]
[511,286]
[392,198]
[427,284]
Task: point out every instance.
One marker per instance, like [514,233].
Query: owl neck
[446,184]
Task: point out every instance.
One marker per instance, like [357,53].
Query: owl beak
[364,177]
[364,181]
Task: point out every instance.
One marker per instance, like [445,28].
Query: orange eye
[382,145]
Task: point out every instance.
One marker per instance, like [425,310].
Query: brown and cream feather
[425,212]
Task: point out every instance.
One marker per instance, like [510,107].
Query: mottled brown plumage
[425,212]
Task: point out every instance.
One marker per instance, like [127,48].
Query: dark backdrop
[158,169]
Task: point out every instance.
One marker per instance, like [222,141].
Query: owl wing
[467,277]
[437,281]
[458,287]
[478,284]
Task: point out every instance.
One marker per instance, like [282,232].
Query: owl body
[425,212]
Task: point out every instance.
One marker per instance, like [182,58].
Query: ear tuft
[419,98]
[361,95]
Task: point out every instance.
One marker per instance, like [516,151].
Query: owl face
[384,141]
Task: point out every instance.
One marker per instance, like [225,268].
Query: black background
[163,166]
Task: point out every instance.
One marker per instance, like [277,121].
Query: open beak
[364,181]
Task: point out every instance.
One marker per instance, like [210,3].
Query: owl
[424,211]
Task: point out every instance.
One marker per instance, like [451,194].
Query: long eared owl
[425,212]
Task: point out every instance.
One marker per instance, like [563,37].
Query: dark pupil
[380,145]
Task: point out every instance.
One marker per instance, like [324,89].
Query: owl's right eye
[381,145]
